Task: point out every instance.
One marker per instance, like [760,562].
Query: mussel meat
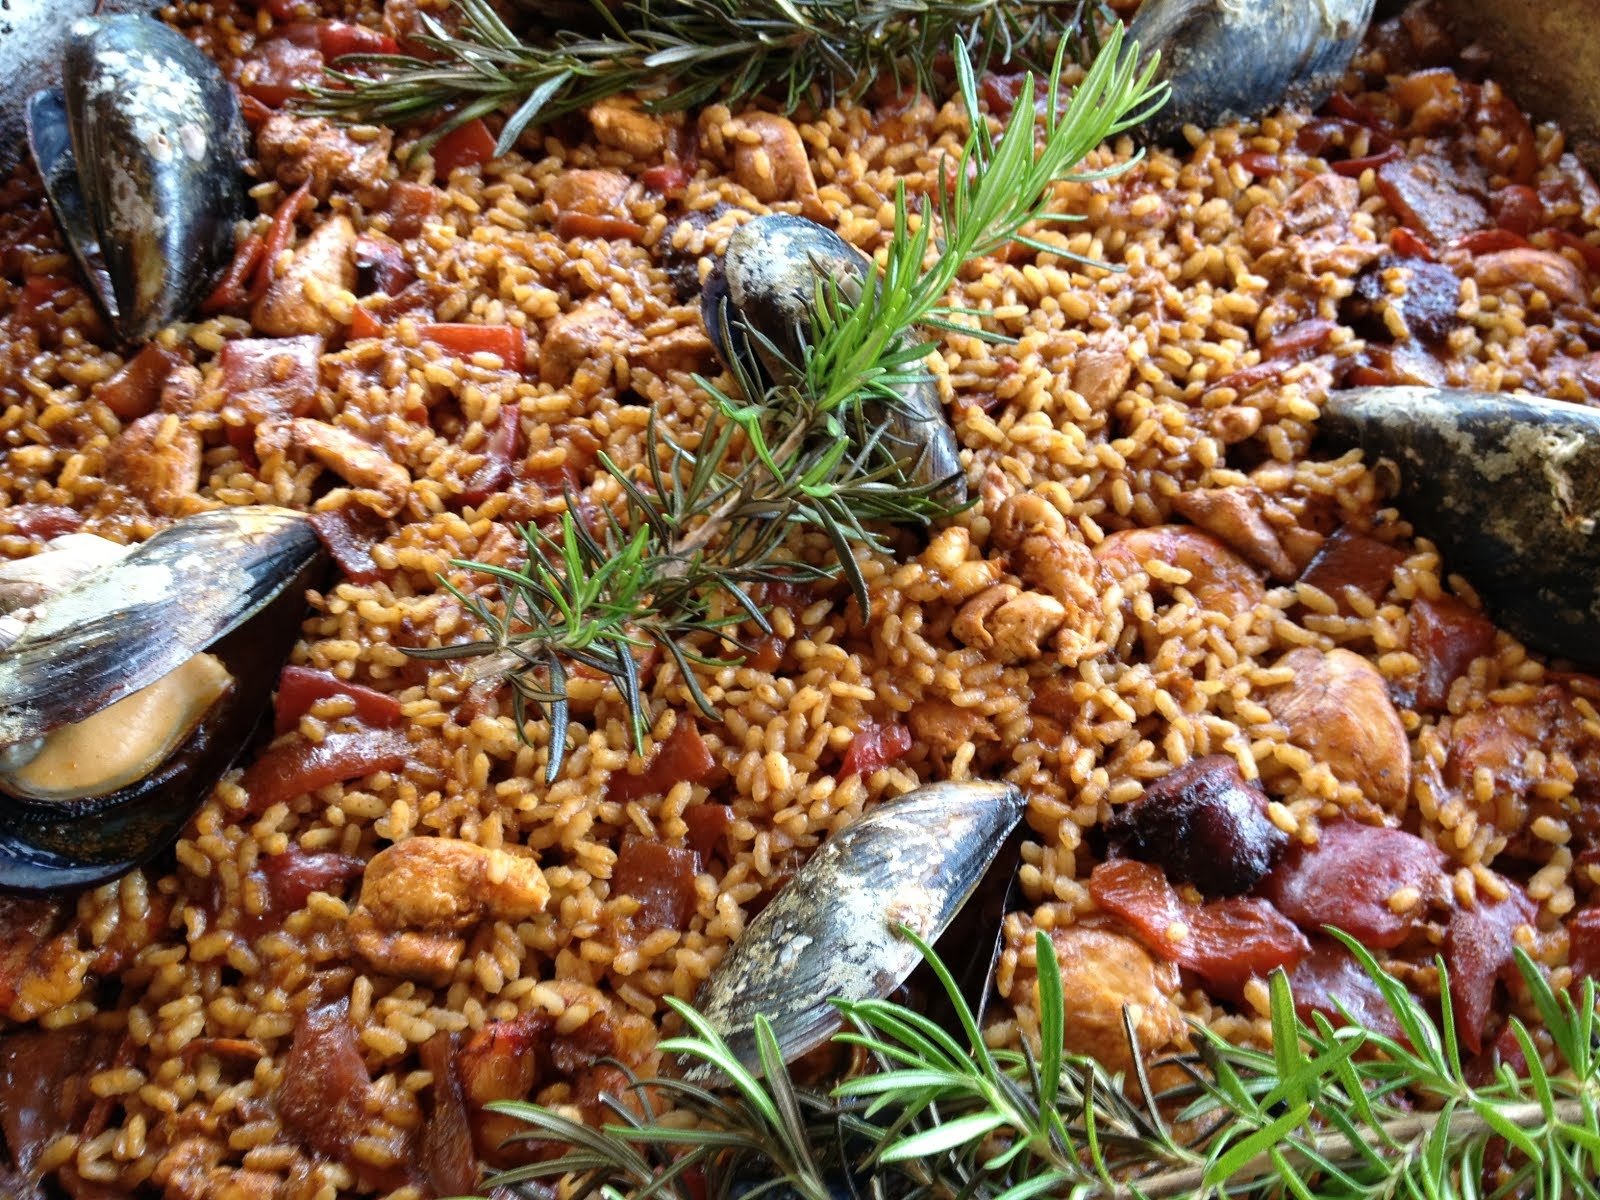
[1232,60]
[141,152]
[759,307]
[125,695]
[1508,488]
[833,931]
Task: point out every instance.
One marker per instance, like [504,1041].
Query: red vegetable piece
[1407,244]
[1301,340]
[499,452]
[44,1086]
[279,235]
[469,145]
[230,291]
[363,324]
[1489,241]
[1587,250]
[661,878]
[1583,943]
[294,766]
[875,746]
[1346,879]
[1427,194]
[683,756]
[337,38]
[1341,105]
[281,67]
[707,823]
[135,389]
[1259,163]
[1446,635]
[293,875]
[39,520]
[670,179]
[1329,977]
[1517,208]
[446,1149]
[1225,942]
[1352,168]
[323,1098]
[1000,92]
[382,265]
[410,206]
[349,535]
[576,224]
[301,687]
[1477,951]
[272,378]
[462,340]
[255,113]
[1351,559]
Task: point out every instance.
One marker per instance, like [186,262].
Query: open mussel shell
[146,178]
[1508,488]
[833,931]
[1232,60]
[759,306]
[232,582]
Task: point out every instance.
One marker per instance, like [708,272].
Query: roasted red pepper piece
[301,687]
[281,67]
[707,823]
[279,235]
[1446,635]
[135,389]
[337,38]
[661,878]
[363,324]
[349,534]
[875,746]
[1352,559]
[39,520]
[272,378]
[1477,951]
[1489,241]
[499,451]
[683,756]
[230,291]
[1259,163]
[1352,168]
[1330,977]
[469,145]
[507,341]
[293,766]
[1407,244]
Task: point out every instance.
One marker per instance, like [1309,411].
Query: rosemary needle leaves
[1321,1116]
[699,524]
[700,50]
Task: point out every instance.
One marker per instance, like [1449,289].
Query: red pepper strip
[571,224]
[301,687]
[461,340]
[469,145]
[1351,168]
[874,746]
[278,239]
[1408,244]
[135,389]
[338,38]
[498,451]
[1489,241]
[363,324]
[254,112]
[668,178]
[1259,162]
[1341,105]
[293,766]
[246,260]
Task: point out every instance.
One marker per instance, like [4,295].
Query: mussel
[1508,488]
[141,152]
[1232,60]
[833,931]
[759,307]
[128,692]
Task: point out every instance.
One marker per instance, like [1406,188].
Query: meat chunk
[622,123]
[1237,515]
[1337,707]
[1047,556]
[1101,972]
[382,483]
[946,728]
[1102,369]
[1446,636]
[1478,949]
[419,895]
[1349,559]
[592,193]
[769,158]
[157,458]
[576,337]
[1432,196]
[293,149]
[1010,623]
[1548,272]
[313,293]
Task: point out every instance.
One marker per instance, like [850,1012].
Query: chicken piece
[1337,708]
[769,158]
[315,292]
[952,569]
[1101,971]
[946,727]
[1102,369]
[293,149]
[181,390]
[1555,276]
[591,329]
[41,964]
[1219,580]
[1009,622]
[1235,514]
[382,484]
[419,895]
[589,192]
[1319,202]
[157,458]
[622,124]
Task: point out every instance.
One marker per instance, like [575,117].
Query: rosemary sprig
[807,452]
[700,50]
[1326,1114]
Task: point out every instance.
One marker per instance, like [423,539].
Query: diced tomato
[1225,942]
[875,746]
[1328,978]
[363,324]
[410,206]
[1446,636]
[1352,559]
[279,235]
[661,878]
[348,534]
[230,291]
[337,38]
[683,756]
[1407,244]
[576,224]
[135,389]
[279,68]
[293,766]
[272,378]
[707,823]
[301,687]
[1352,168]
[1259,163]
[507,341]
[1489,241]
[499,451]
[1518,208]
[39,520]
[1477,951]
[1346,879]
[469,145]
[669,179]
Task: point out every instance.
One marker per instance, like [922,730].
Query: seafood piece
[113,724]
[833,930]
[140,151]
[1232,60]
[759,305]
[1508,487]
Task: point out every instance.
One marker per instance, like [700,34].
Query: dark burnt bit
[1426,303]
[1204,824]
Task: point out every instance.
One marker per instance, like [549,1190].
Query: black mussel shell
[157,142]
[1232,60]
[65,846]
[1508,488]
